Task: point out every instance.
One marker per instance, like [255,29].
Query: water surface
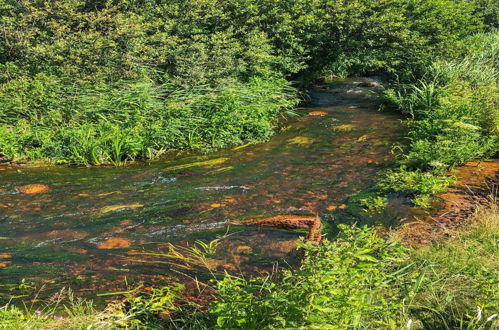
[87,232]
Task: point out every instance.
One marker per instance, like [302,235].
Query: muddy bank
[477,186]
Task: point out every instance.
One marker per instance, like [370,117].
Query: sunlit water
[88,231]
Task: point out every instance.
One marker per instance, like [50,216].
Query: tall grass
[454,114]
[93,125]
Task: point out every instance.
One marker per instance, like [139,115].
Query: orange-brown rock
[33,189]
[127,222]
[114,243]
[369,84]
[317,113]
[243,249]
[5,255]
[229,267]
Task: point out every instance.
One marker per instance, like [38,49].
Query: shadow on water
[87,229]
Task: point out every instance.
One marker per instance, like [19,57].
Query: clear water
[87,230]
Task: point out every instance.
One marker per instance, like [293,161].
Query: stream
[90,229]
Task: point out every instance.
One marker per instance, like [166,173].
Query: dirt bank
[477,185]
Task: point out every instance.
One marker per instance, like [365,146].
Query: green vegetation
[134,120]
[362,281]
[94,82]
[103,82]
[359,280]
[454,117]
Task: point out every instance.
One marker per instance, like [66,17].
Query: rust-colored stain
[317,113]
[4,263]
[471,178]
[114,243]
[33,189]
[5,255]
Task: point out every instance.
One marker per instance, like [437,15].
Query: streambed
[89,230]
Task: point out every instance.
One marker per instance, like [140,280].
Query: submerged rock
[368,84]
[301,140]
[114,243]
[33,189]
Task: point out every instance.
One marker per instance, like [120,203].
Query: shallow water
[89,229]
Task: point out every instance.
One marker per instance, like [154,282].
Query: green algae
[210,162]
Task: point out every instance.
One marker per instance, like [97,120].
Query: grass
[458,283]
[94,125]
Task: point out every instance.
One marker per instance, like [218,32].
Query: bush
[82,67]
[420,186]
[340,284]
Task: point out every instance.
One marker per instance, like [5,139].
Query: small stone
[78,251]
[165,315]
[369,84]
[127,222]
[229,267]
[244,249]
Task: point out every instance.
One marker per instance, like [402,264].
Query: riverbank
[476,187]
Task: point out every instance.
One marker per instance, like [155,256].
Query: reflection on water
[85,226]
